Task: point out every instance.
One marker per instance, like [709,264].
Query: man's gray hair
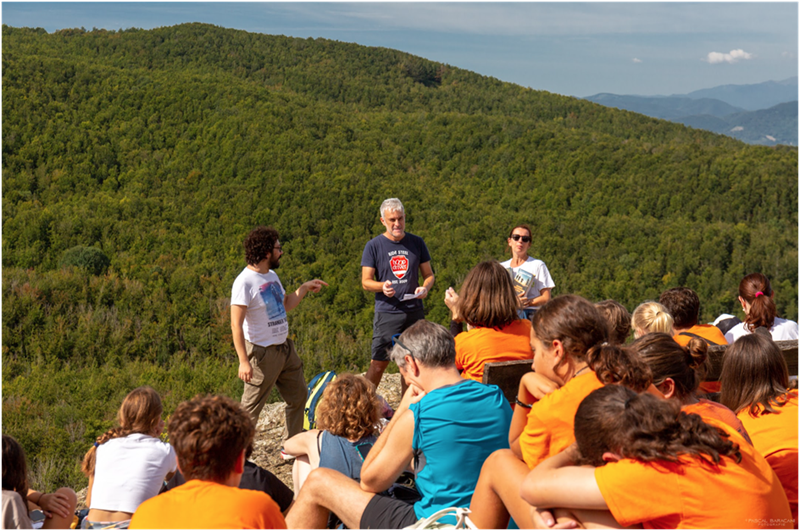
[393,205]
[431,344]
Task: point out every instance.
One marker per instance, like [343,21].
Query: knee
[321,481]
[69,495]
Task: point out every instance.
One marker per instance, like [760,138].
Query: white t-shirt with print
[782,330]
[530,278]
[130,470]
[265,321]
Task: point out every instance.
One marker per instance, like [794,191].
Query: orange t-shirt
[712,410]
[478,346]
[207,505]
[710,332]
[551,420]
[663,495]
[713,334]
[775,437]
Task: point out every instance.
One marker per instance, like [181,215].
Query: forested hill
[161,149]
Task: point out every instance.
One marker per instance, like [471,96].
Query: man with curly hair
[267,356]
[210,435]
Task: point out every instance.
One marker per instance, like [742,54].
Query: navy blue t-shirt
[398,262]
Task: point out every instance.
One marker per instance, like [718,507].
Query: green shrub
[91,259]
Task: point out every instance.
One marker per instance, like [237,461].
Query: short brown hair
[15,468]
[259,244]
[572,320]
[208,434]
[349,407]
[683,304]
[487,296]
[754,375]
[140,412]
[618,319]
[757,292]
[687,366]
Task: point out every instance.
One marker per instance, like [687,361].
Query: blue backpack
[316,387]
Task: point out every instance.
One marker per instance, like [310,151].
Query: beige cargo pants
[277,365]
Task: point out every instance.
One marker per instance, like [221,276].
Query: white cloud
[637,60]
[734,56]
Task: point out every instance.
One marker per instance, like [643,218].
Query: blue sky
[577,49]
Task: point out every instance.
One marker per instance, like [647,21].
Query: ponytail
[140,413]
[613,364]
[645,428]
[651,317]
[757,292]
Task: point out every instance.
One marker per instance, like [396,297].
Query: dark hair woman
[488,304]
[756,298]
[677,373]
[654,465]
[755,385]
[571,359]
[532,281]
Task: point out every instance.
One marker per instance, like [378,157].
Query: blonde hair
[140,412]
[349,407]
[651,317]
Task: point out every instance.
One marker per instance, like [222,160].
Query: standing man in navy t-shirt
[390,267]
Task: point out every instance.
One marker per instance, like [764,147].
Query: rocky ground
[267,445]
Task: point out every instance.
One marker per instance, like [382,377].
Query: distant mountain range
[762,113]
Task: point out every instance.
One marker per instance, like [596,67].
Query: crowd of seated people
[607,430]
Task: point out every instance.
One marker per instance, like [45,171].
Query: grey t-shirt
[15,514]
[398,262]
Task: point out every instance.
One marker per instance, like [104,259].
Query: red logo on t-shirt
[399,266]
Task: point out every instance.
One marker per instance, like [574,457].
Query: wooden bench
[507,374]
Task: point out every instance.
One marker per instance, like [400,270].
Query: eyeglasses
[396,339]
[278,248]
[518,237]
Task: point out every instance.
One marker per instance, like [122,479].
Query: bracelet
[522,404]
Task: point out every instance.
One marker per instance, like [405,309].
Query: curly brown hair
[259,244]
[683,304]
[645,428]
[349,408]
[140,412]
[15,468]
[208,434]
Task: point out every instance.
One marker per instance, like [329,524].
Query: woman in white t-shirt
[128,464]
[530,276]
[755,295]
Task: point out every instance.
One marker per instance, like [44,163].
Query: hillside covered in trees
[135,162]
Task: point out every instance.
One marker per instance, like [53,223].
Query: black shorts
[385,325]
[383,512]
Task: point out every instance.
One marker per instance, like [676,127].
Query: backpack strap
[689,334]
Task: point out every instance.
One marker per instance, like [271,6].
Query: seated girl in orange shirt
[654,465]
[755,384]
[571,359]
[489,305]
[677,373]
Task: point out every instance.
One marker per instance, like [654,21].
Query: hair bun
[696,354]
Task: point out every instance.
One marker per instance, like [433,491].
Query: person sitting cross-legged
[445,425]
[210,435]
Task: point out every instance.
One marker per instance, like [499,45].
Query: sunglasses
[518,237]
[396,340]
